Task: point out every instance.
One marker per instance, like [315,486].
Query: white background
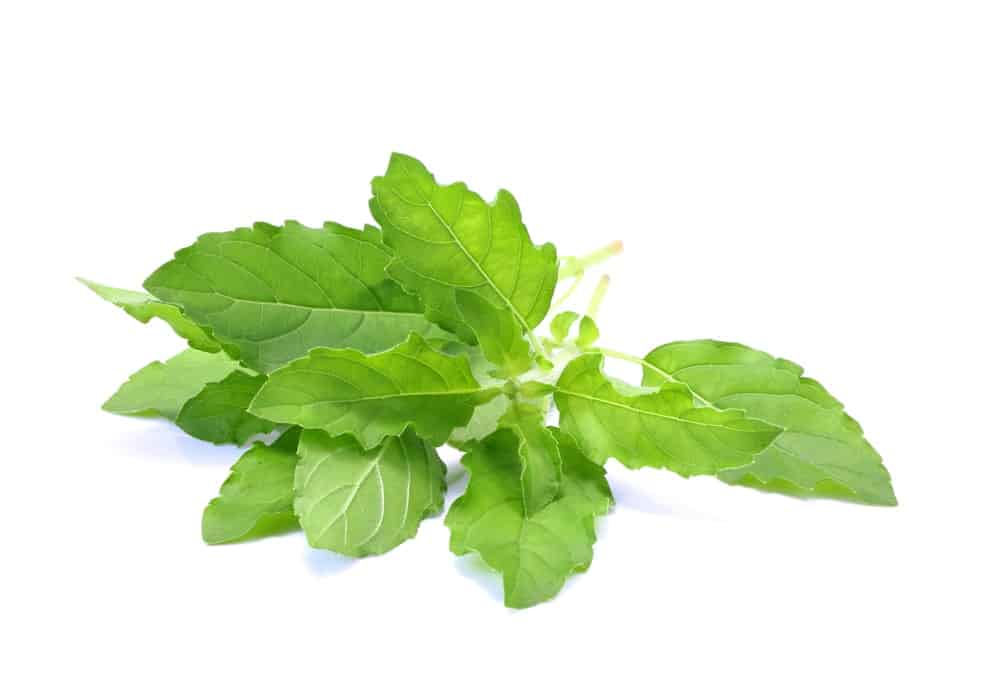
[819,180]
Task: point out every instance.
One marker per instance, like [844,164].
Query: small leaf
[272,293]
[653,428]
[374,396]
[162,388]
[500,337]
[588,333]
[536,553]
[822,450]
[561,325]
[256,499]
[143,307]
[449,236]
[541,465]
[218,413]
[359,502]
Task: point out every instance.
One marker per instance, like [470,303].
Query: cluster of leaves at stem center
[366,349]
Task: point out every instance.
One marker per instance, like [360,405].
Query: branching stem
[569,292]
[575,266]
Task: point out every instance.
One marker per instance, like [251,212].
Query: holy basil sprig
[366,349]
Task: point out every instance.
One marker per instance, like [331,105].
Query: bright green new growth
[371,347]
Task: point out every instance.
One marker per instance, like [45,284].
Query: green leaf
[162,388]
[536,553]
[561,325]
[372,396]
[361,502]
[822,450]
[143,307]
[275,293]
[653,428]
[440,305]
[218,413]
[500,338]
[484,421]
[541,465]
[588,333]
[256,499]
[449,237]
[486,416]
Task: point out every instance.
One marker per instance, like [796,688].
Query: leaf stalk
[598,296]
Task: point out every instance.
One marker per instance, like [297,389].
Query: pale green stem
[598,296]
[569,292]
[648,365]
[537,346]
[574,266]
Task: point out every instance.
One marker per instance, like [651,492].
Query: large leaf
[372,396]
[256,499]
[360,502]
[449,237]
[541,465]
[272,293]
[218,413]
[162,388]
[535,553]
[143,307]
[653,427]
[822,450]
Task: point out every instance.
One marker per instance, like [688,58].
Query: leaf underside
[361,502]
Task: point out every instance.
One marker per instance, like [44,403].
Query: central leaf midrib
[633,409]
[334,309]
[671,378]
[381,397]
[510,305]
[355,488]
